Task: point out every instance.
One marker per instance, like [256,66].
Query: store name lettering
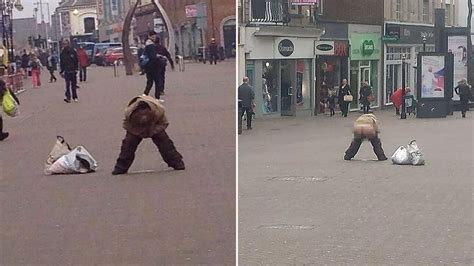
[340,49]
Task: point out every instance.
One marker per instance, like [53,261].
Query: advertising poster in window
[458,46]
[432,79]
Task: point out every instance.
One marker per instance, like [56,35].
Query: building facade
[111,14]
[77,19]
[408,30]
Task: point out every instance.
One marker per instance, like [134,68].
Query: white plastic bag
[401,156]
[416,158]
[63,160]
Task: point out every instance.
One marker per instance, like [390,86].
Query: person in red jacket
[83,63]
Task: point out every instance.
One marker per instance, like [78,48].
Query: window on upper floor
[447,13]
[89,25]
[426,10]
[398,8]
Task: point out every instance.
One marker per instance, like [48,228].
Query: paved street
[301,203]
[154,215]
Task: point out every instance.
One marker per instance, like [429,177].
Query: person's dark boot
[118,172]
[179,166]
[4,135]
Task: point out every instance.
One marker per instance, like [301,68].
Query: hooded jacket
[157,120]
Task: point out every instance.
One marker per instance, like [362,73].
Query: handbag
[370,98]
[10,107]
[348,98]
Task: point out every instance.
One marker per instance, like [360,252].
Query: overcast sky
[29,6]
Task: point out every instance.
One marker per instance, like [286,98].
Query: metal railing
[14,82]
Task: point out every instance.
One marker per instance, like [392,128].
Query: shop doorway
[288,84]
[229,31]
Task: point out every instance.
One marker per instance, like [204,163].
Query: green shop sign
[365,46]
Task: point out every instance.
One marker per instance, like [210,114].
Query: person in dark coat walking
[344,89]
[145,118]
[52,65]
[25,61]
[69,63]
[165,57]
[464,92]
[365,96]
[365,127]
[3,88]
[213,51]
[247,96]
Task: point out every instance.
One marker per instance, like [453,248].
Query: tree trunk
[128,58]
[469,44]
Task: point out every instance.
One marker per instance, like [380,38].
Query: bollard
[239,113]
[116,74]
[181,63]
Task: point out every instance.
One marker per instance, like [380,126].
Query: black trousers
[464,103]
[366,108]
[52,76]
[82,73]
[1,124]
[249,112]
[71,84]
[130,144]
[158,78]
[357,141]
[214,58]
[344,106]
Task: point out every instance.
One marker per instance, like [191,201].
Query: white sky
[29,6]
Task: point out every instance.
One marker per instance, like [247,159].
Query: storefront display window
[270,86]
[303,92]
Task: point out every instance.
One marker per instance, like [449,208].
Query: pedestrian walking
[247,96]
[3,88]
[323,96]
[152,66]
[464,91]
[365,127]
[83,63]
[164,57]
[25,60]
[36,66]
[145,118]
[52,66]
[332,102]
[344,90]
[69,63]
[213,51]
[366,96]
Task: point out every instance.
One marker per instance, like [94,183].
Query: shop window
[270,87]
[89,25]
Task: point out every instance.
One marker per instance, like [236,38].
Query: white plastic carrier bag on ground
[401,156]
[416,157]
[76,161]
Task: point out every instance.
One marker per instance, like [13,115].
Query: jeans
[82,73]
[51,76]
[157,77]
[366,108]
[344,106]
[71,83]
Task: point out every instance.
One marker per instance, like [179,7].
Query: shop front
[366,52]
[281,70]
[403,41]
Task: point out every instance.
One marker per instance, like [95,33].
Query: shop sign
[305,2]
[390,38]
[410,34]
[368,47]
[286,47]
[365,46]
[100,9]
[191,11]
[324,48]
[158,25]
[341,49]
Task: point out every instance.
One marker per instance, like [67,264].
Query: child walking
[36,66]
[332,102]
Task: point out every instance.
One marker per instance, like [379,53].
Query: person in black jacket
[365,94]
[163,55]
[69,63]
[247,96]
[156,66]
[464,92]
[344,89]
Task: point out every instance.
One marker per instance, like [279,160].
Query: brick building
[195,22]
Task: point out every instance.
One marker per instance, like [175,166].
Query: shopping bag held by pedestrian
[10,106]
[348,98]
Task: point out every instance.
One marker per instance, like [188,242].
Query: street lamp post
[424,43]
[6,8]
[403,114]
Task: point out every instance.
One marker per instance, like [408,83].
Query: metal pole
[12,56]
[212,21]
[424,43]
[403,114]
